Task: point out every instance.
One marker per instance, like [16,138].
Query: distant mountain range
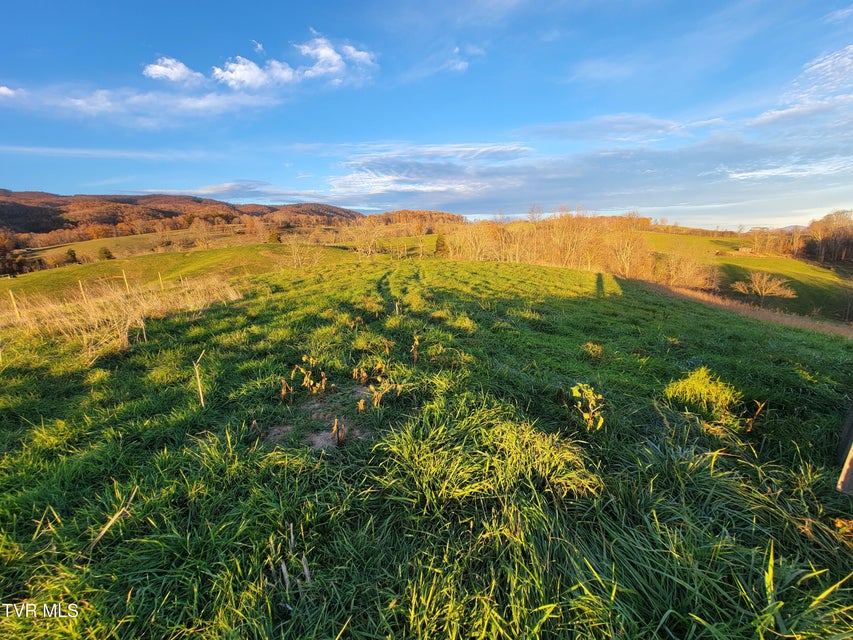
[37,212]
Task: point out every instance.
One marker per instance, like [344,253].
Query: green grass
[132,245]
[821,291]
[171,266]
[471,501]
[704,248]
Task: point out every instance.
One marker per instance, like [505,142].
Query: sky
[711,114]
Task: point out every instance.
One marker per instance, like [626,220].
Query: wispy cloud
[597,70]
[819,101]
[7,92]
[617,127]
[256,191]
[457,152]
[439,174]
[826,76]
[100,153]
[141,109]
[840,15]
[449,59]
[797,168]
[431,17]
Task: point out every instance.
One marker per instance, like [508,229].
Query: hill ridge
[42,212]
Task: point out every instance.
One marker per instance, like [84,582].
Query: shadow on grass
[498,348]
[816,299]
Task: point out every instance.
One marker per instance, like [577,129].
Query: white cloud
[241,73]
[363,184]
[216,103]
[456,62]
[439,173]
[338,65]
[258,47]
[364,58]
[250,84]
[172,70]
[328,61]
[152,110]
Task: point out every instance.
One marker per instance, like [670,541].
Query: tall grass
[105,317]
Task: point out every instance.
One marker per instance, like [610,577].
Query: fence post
[845,455]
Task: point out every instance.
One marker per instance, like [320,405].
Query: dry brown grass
[106,317]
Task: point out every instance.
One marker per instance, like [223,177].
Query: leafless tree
[763,284]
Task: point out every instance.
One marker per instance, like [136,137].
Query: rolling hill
[38,212]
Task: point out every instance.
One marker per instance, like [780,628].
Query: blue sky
[703,113]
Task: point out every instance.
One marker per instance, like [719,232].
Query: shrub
[440,246]
[763,284]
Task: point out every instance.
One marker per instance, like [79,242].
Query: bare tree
[763,284]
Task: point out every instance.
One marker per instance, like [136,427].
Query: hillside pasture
[465,491]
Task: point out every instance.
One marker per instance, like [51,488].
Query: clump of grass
[477,450]
[702,392]
[464,322]
[592,351]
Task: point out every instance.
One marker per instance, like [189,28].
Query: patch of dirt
[318,410]
[321,440]
[337,435]
[278,433]
[326,439]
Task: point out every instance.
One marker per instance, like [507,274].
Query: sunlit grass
[469,498]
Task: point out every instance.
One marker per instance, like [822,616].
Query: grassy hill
[418,448]
[147,270]
[821,291]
